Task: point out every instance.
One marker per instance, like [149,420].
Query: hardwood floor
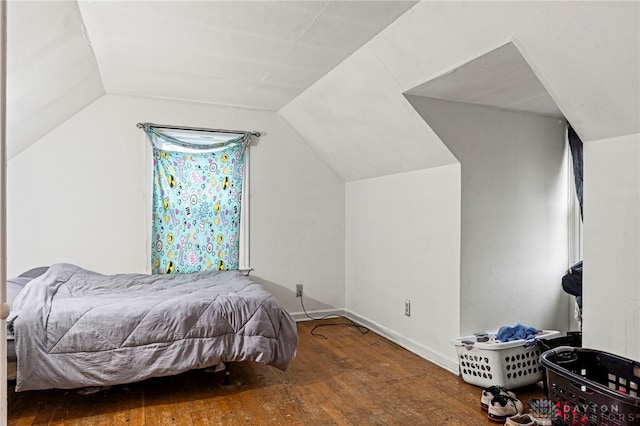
[346,379]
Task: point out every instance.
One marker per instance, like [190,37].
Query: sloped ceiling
[335,70]
[501,78]
[585,54]
[62,55]
[51,71]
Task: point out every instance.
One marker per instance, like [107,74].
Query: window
[198,180]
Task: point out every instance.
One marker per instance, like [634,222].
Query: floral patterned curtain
[197,199]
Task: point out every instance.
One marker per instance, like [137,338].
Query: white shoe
[503,406]
[521,420]
[491,392]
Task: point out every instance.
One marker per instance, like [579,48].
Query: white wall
[611,282]
[403,242]
[514,213]
[80,195]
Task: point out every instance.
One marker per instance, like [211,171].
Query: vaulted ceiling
[335,70]
[62,55]
[579,60]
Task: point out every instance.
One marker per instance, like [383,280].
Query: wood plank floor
[348,378]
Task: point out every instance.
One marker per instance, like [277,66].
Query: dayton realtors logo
[591,413]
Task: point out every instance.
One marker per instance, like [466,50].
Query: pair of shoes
[503,407]
[491,392]
[521,420]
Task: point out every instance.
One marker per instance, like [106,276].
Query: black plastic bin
[572,338]
[591,387]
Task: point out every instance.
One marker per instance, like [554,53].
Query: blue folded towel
[516,332]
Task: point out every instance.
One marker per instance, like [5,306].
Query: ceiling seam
[293,43]
[87,39]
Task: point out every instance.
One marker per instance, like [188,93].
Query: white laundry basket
[508,364]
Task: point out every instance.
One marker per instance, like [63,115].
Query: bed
[14,287]
[76,328]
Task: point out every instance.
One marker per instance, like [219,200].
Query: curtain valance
[195,140]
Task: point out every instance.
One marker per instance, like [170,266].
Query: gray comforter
[77,328]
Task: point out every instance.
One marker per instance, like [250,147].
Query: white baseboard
[431,355]
[317,314]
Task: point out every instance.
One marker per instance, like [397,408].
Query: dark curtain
[576,154]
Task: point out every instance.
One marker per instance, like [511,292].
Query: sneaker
[521,419]
[503,406]
[491,392]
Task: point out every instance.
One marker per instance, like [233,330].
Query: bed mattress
[77,328]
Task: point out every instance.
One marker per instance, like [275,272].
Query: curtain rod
[195,129]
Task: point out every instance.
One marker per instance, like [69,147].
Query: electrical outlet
[298,290]
[407,307]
